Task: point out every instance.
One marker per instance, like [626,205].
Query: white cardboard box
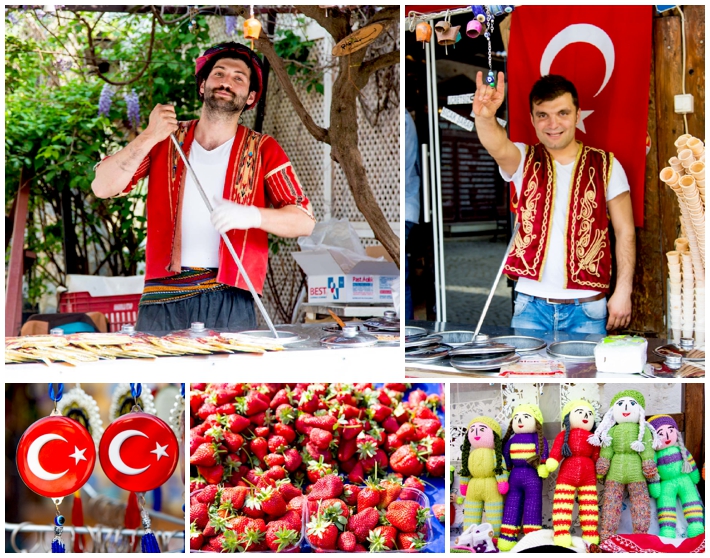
[368,281]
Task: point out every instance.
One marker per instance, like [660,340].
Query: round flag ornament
[138,452]
[55,456]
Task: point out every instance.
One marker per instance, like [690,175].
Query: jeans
[408,305]
[536,313]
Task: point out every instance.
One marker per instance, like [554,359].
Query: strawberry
[276,473]
[417,397]
[199,515]
[406,515]
[318,469]
[405,460]
[406,432]
[425,413]
[259,447]
[321,533]
[207,495]
[308,403]
[235,423]
[219,394]
[357,475]
[361,523]
[350,492]
[226,542]
[432,445]
[292,459]
[329,486]
[288,490]
[439,511]
[196,538]
[296,504]
[349,411]
[390,425]
[279,536]
[336,511]
[253,538]
[272,503]
[379,412]
[206,410]
[368,497]
[235,495]
[273,459]
[232,441]
[277,443]
[382,538]
[366,446]
[292,519]
[346,449]
[320,438]
[324,422]
[435,465]
[286,431]
[410,541]
[352,429]
[346,541]
[205,455]
[427,427]
[359,548]
[262,431]
[390,491]
[411,483]
[195,442]
[398,387]
[213,475]
[252,507]
[393,443]
[285,414]
[280,398]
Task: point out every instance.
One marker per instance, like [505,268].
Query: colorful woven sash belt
[191,281]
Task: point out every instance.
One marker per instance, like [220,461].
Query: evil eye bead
[59,520]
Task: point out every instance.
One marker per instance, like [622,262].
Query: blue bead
[489,79]
[59,520]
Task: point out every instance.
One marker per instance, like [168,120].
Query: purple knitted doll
[525,452]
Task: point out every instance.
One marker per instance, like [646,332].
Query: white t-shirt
[200,240]
[551,284]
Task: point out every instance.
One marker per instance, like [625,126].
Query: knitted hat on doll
[534,410]
[491,423]
[602,438]
[574,404]
[658,421]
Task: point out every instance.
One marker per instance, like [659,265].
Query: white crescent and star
[33,457]
[114,452]
[581,33]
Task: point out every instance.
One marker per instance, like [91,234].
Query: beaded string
[490,20]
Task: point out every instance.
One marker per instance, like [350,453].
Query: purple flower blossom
[230,23]
[63,65]
[133,108]
[105,100]
[12,18]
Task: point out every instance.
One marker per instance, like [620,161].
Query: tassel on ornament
[149,544]
[77,520]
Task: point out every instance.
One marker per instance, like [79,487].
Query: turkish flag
[606,52]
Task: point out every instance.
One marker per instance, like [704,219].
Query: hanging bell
[474,28]
[252,28]
[446,35]
[479,13]
[423,32]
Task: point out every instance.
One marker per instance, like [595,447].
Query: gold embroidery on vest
[246,168]
[587,252]
[525,236]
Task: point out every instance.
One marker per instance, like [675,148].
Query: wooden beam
[695,66]
[694,410]
[13,291]
[647,307]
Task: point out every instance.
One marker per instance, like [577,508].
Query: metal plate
[423,350]
[284,337]
[671,348]
[456,338]
[423,341]
[412,332]
[575,351]
[335,328]
[428,354]
[482,349]
[522,343]
[344,340]
[493,364]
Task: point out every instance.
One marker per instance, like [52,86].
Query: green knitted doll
[484,476]
[626,461]
[678,477]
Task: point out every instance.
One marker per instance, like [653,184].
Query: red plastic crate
[118,309]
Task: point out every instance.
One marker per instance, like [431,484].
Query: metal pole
[495,283]
[227,242]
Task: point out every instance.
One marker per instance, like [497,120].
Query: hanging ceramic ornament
[80,406]
[474,28]
[139,452]
[423,32]
[252,28]
[55,457]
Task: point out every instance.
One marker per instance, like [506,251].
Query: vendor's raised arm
[486,101]
[119,170]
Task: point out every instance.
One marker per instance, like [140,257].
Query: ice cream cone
[681,244]
[669,176]
[673,257]
[696,146]
[686,158]
[682,141]
[697,169]
[674,162]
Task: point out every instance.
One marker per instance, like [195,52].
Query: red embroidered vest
[588,252]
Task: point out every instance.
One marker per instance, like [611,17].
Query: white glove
[227,215]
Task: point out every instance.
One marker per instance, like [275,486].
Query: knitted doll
[525,452]
[626,460]
[577,474]
[484,476]
[678,477]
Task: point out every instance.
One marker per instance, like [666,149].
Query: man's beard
[223,106]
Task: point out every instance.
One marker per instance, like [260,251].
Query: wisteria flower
[133,108]
[230,23]
[105,100]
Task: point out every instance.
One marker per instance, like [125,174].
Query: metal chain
[490,19]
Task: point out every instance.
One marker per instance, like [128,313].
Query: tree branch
[371,66]
[337,24]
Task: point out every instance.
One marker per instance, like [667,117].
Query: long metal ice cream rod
[227,242]
[495,283]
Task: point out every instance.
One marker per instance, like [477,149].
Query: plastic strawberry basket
[421,499]
[118,309]
[296,547]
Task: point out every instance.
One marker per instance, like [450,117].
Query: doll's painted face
[481,436]
[581,417]
[667,436]
[524,423]
[627,409]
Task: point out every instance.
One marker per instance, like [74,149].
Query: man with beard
[566,195]
[190,275]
